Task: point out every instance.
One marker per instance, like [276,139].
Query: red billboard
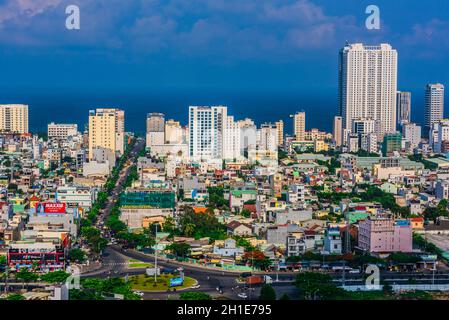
[50,207]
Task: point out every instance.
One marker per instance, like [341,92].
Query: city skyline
[248,62]
[228,150]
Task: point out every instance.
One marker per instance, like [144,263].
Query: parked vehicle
[255,280]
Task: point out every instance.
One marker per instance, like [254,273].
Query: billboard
[176,282]
[51,207]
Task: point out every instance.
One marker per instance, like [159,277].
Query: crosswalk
[117,264]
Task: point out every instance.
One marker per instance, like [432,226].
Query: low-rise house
[228,248]
[235,228]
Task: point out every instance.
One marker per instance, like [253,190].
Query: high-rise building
[439,135]
[299,125]
[338,131]
[231,144]
[155,129]
[368,142]
[155,122]
[61,131]
[173,132]
[363,126]
[14,118]
[404,107]
[368,85]
[120,131]
[434,108]
[280,132]
[106,130]
[213,134]
[412,135]
[267,137]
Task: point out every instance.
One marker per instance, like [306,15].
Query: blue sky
[278,46]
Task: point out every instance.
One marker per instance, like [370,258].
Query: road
[115,193]
[115,265]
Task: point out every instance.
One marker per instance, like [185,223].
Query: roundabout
[145,283]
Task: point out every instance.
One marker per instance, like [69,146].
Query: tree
[94,239]
[15,296]
[26,276]
[267,293]
[110,286]
[55,277]
[216,197]
[134,240]
[242,242]
[313,285]
[189,229]
[200,225]
[77,255]
[194,296]
[245,213]
[75,294]
[115,224]
[168,225]
[257,259]
[285,296]
[179,249]
[2,260]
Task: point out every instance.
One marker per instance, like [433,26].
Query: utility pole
[433,272]
[348,235]
[155,257]
[6,279]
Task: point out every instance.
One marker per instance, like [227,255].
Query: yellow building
[14,118]
[299,125]
[320,145]
[106,130]
[280,132]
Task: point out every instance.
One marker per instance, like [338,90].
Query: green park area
[136,264]
[142,282]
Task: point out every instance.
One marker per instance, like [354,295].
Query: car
[242,295]
[140,293]
[196,287]
[354,271]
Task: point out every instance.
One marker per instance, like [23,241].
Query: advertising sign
[51,207]
[176,282]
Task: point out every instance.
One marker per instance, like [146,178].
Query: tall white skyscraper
[213,134]
[368,85]
[434,108]
[404,105]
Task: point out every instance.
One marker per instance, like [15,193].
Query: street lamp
[155,253]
